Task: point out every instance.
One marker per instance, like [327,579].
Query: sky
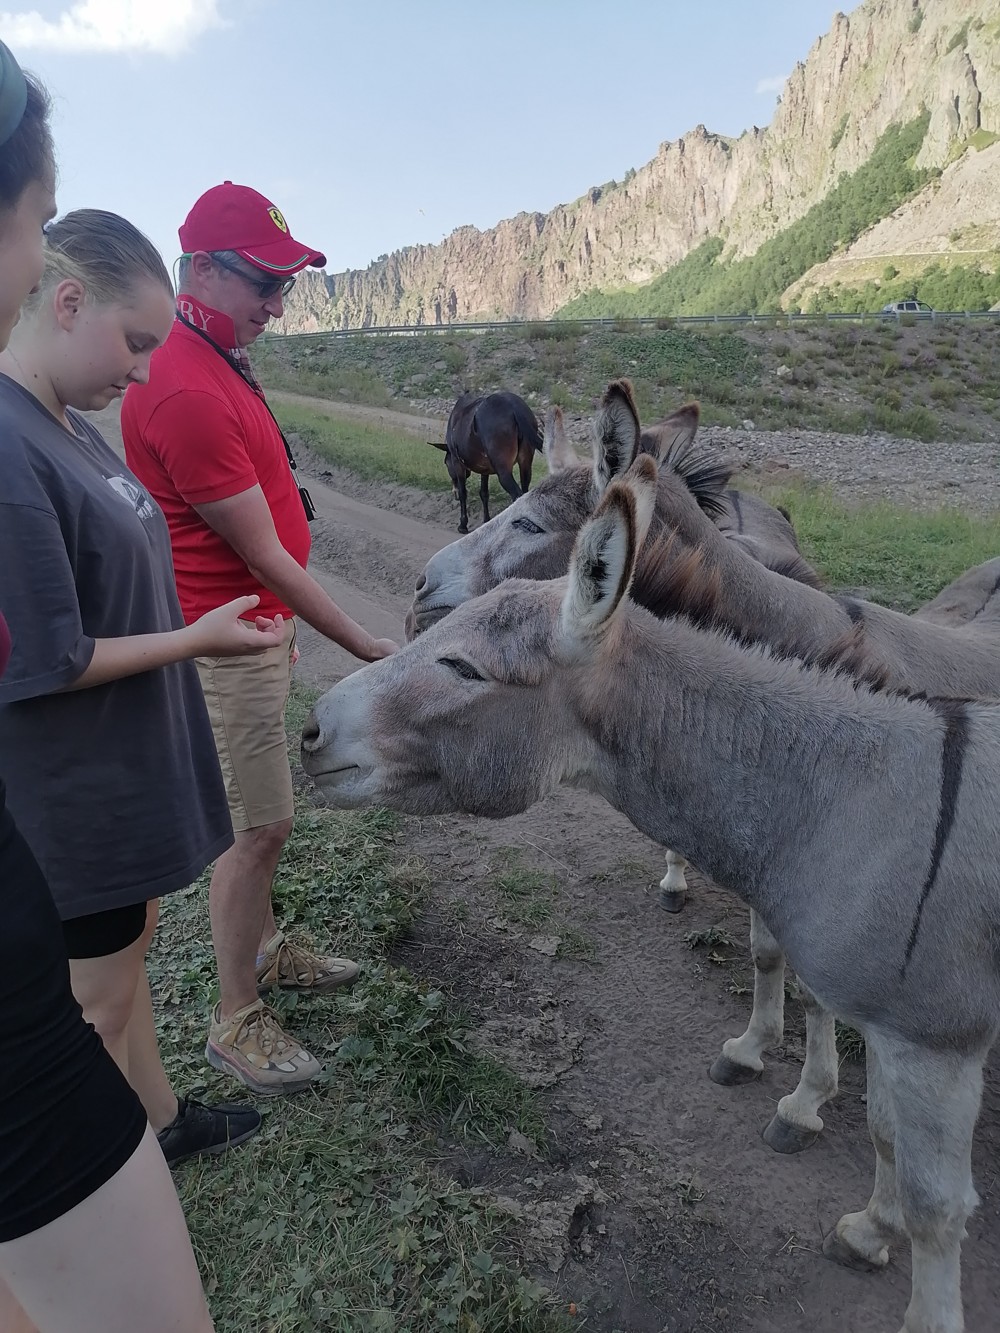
[375,124]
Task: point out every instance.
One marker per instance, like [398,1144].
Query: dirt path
[656,1207]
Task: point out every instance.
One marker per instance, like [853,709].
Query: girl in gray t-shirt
[104,739]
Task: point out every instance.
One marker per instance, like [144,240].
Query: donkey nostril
[421,583]
[312,734]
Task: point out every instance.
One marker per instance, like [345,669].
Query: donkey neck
[746,764]
[760,606]
[690,568]
[728,591]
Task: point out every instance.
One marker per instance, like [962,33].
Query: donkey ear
[673,435]
[605,553]
[672,443]
[558,452]
[616,435]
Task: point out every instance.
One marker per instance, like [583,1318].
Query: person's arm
[51,650]
[223,632]
[244,521]
[200,442]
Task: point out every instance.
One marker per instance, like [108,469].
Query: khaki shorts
[246,705]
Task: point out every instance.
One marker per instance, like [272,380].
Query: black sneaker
[203,1131]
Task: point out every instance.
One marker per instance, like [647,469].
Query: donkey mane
[705,476]
[688,588]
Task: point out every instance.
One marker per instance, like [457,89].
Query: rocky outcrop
[882,64]
[955,219]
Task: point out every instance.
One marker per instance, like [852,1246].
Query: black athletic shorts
[68,1119]
[104,933]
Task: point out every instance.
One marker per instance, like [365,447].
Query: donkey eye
[465,669]
[526,525]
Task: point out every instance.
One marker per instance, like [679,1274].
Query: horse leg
[463,503]
[740,1060]
[506,479]
[484,495]
[797,1122]
[673,885]
[934,1096]
[525,458]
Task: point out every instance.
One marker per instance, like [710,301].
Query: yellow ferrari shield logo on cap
[275,215]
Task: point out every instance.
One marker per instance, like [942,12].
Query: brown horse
[486,434]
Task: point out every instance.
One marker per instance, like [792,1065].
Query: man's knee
[267,840]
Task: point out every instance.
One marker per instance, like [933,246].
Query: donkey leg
[935,1097]
[673,885]
[797,1122]
[484,494]
[463,504]
[740,1060]
[862,1240]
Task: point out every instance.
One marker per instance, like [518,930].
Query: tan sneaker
[292,967]
[254,1046]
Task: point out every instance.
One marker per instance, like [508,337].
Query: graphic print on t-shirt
[133,495]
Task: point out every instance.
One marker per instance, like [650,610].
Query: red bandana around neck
[221,330]
[219,327]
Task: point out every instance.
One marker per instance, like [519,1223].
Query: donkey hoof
[837,1249]
[464,531]
[731,1075]
[672,900]
[784,1137]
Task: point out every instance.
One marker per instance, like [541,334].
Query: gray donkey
[534,541]
[693,566]
[861,826]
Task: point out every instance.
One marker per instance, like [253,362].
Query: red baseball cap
[234,217]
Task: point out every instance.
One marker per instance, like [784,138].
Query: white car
[911,307]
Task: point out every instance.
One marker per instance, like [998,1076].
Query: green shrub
[960,38]
[943,391]
[920,424]
[890,364]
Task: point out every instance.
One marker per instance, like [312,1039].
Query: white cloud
[165,27]
[772,85]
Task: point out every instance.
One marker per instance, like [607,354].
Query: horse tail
[528,429]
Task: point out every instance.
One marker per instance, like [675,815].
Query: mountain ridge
[884,64]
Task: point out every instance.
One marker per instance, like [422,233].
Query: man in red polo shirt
[201,438]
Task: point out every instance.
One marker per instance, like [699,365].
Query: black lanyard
[233,364]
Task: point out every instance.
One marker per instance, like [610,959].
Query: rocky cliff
[881,64]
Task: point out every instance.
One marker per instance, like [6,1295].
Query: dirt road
[656,1207]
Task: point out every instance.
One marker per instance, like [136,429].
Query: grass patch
[332,1219]
[850,1043]
[573,943]
[527,895]
[899,557]
[530,898]
[840,377]
[376,453]
[720,947]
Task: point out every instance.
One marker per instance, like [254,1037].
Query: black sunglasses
[264,287]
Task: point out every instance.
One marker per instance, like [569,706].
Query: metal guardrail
[644,321]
